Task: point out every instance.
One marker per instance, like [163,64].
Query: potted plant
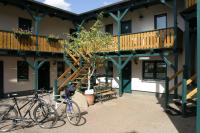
[22,34]
[89,42]
[52,38]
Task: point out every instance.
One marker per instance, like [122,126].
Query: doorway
[126,78]
[44,76]
[1,80]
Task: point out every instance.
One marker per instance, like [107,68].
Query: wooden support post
[36,75]
[175,47]
[55,90]
[184,94]
[166,93]
[198,66]
[106,70]
[187,49]
[37,20]
[118,19]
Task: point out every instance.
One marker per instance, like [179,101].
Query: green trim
[55,90]
[126,62]
[68,62]
[168,62]
[184,93]
[198,66]
[175,47]
[166,93]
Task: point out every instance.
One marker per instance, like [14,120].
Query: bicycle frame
[32,102]
[66,99]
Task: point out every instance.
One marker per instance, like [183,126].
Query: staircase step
[173,109]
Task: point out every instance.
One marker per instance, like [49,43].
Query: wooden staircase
[187,101]
[76,72]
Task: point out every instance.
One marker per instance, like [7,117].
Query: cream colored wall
[9,21]
[10,75]
[147,23]
[137,82]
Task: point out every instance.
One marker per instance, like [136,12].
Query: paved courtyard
[132,113]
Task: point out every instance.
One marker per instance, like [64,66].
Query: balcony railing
[157,39]
[10,41]
[190,3]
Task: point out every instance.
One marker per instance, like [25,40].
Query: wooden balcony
[10,41]
[157,39]
[190,3]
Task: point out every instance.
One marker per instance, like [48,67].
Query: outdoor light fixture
[144,58]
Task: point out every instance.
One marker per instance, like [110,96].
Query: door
[44,76]
[1,79]
[126,78]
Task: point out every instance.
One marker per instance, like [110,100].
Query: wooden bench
[104,91]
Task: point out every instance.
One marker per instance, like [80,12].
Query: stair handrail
[176,74]
[192,79]
[68,79]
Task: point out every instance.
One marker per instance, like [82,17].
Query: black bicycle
[11,115]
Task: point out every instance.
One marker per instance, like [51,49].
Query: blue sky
[78,6]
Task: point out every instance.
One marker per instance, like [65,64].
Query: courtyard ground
[132,113]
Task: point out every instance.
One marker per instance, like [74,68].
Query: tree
[88,43]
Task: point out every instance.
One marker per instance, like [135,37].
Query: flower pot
[90,99]
[89,94]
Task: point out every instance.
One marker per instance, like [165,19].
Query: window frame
[155,62]
[155,20]
[19,69]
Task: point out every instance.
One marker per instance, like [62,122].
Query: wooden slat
[146,40]
[192,93]
[189,81]
[68,79]
[8,40]
[190,3]
[176,74]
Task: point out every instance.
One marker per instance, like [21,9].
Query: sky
[78,6]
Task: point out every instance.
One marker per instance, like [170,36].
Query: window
[109,28]
[22,71]
[126,27]
[160,21]
[60,68]
[154,70]
[25,24]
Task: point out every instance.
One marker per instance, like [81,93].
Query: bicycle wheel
[73,112]
[7,115]
[45,115]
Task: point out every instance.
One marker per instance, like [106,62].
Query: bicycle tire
[73,112]
[45,115]
[7,114]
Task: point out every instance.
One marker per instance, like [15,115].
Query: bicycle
[11,116]
[66,107]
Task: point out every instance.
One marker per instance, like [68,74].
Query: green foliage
[19,31]
[90,41]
